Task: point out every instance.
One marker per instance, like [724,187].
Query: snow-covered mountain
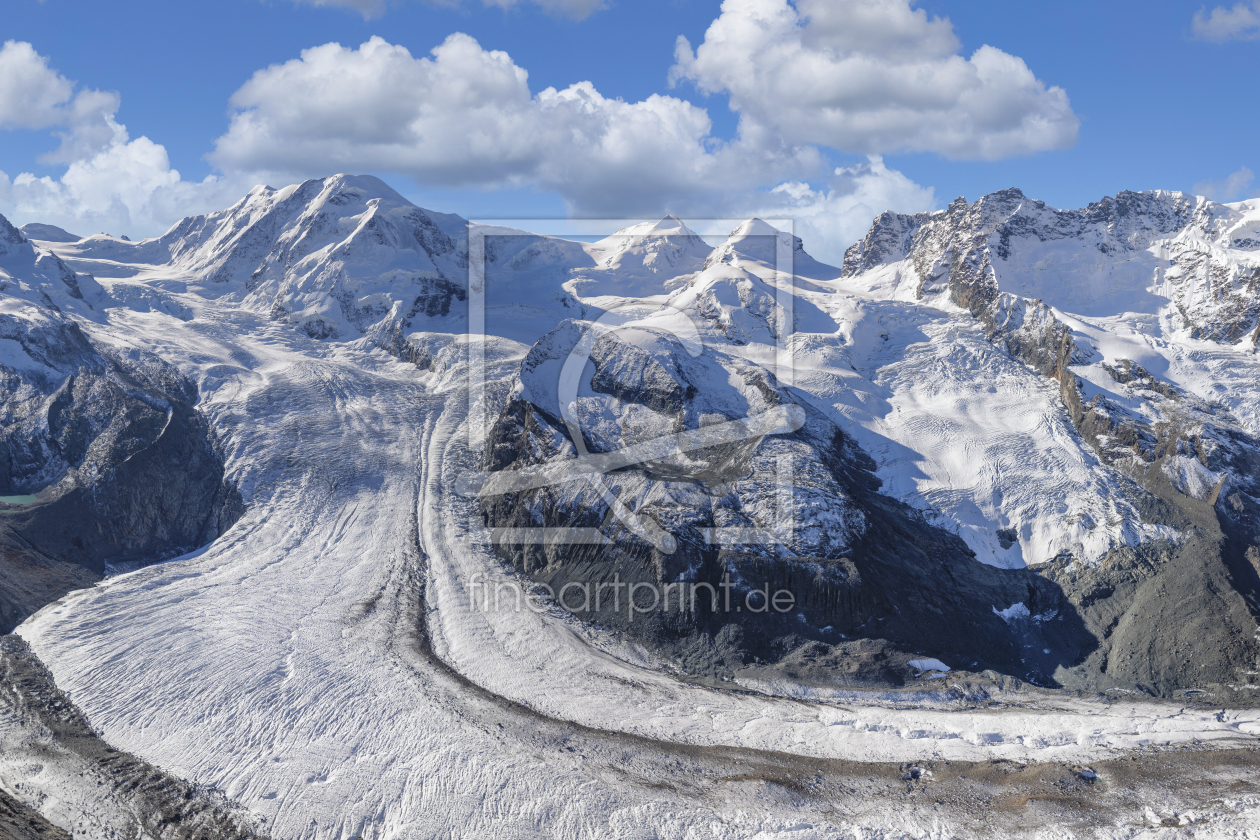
[1020,443]
[1191,261]
[757,243]
[103,459]
[330,257]
[667,249]
[1135,305]
[48,233]
[36,276]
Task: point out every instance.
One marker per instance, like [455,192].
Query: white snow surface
[980,441]
[280,665]
[929,665]
[276,665]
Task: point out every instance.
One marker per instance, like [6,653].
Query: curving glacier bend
[324,661]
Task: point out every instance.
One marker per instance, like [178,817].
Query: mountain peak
[48,233]
[755,227]
[367,185]
[665,247]
[757,241]
[668,226]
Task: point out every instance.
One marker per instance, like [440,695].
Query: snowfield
[325,662]
[280,665]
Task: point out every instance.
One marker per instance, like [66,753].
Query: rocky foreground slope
[51,746]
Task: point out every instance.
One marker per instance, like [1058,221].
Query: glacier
[323,662]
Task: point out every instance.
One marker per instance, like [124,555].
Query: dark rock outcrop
[18,822]
[1165,616]
[859,565]
[120,462]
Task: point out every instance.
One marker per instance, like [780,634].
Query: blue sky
[1161,102]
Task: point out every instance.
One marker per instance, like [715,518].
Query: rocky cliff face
[793,509]
[1195,266]
[1202,257]
[123,470]
[109,444]
[977,253]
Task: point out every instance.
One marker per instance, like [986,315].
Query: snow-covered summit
[31,274]
[1188,260]
[755,244]
[330,256]
[48,233]
[666,248]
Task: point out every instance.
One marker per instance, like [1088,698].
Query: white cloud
[1240,23]
[466,117]
[33,95]
[111,182]
[832,218]
[575,9]
[1234,186]
[127,188]
[873,77]
[869,77]
[854,76]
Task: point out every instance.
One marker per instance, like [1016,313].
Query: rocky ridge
[798,510]
[1194,466]
[105,459]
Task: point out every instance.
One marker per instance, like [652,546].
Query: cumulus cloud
[575,9]
[111,182]
[865,77]
[466,117]
[1239,23]
[33,95]
[873,76]
[831,218]
[1233,186]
